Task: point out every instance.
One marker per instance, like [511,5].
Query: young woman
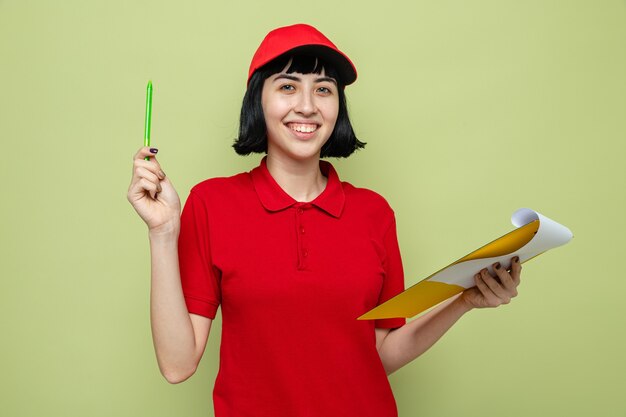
[290,253]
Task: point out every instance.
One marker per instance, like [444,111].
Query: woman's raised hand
[152,194]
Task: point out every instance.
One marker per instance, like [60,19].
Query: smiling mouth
[303,127]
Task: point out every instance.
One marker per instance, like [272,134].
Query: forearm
[406,343]
[172,331]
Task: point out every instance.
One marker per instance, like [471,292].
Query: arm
[179,337]
[400,346]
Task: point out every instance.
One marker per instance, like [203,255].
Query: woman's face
[300,113]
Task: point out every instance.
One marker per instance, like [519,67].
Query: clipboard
[535,234]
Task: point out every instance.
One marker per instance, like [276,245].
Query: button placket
[302,249]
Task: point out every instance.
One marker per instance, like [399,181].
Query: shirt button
[305,253]
[300,211]
[302,230]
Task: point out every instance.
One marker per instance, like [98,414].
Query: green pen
[146,130]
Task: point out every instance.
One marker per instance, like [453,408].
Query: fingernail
[154,150]
[516,259]
[497,265]
[161,174]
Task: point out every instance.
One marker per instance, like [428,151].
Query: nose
[306,104]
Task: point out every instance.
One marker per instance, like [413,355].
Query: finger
[495,286]
[488,295]
[138,189]
[516,270]
[152,165]
[143,172]
[505,279]
[145,151]
[149,187]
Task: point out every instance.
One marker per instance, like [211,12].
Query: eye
[287,87]
[325,89]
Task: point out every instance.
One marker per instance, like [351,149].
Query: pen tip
[149,83]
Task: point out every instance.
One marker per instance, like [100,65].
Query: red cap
[302,38]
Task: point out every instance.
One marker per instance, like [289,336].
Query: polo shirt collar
[274,198]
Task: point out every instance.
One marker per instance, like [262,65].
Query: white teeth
[303,128]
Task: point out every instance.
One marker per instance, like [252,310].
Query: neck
[302,180]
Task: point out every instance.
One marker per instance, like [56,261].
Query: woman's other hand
[492,291]
[152,194]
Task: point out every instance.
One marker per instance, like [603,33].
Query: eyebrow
[317,80]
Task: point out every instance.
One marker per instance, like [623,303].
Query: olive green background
[471,109]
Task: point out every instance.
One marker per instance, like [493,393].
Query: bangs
[303,64]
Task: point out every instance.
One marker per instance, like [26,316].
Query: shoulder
[221,183]
[369,202]
[222,189]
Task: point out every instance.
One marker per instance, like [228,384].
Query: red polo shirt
[291,279]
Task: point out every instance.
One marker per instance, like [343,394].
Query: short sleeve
[199,278]
[393,283]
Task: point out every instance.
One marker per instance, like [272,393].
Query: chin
[296,150]
[297,154]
